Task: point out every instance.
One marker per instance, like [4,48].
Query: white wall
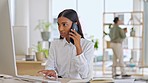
[27,14]
[22,13]
[38,9]
[21,25]
[91,17]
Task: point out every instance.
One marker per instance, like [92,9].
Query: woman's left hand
[76,37]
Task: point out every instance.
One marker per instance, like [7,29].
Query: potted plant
[96,45]
[44,27]
[41,53]
[96,42]
[132,32]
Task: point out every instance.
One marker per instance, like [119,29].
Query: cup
[30,57]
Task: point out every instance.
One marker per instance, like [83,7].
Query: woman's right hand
[125,30]
[51,73]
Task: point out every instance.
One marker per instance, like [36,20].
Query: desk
[63,80]
[28,67]
[37,79]
[12,81]
[21,81]
[18,80]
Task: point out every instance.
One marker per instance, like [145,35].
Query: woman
[67,59]
[117,36]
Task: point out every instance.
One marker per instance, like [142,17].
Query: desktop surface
[37,79]
[40,79]
[27,79]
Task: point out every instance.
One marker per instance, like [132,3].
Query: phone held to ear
[74,27]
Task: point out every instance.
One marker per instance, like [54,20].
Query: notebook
[102,80]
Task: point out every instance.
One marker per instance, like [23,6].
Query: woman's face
[119,22]
[64,26]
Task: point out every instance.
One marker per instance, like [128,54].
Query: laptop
[7,49]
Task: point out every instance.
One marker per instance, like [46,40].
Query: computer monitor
[7,51]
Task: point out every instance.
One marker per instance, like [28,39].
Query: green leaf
[96,44]
[46,52]
[43,25]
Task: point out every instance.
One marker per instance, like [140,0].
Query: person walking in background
[117,35]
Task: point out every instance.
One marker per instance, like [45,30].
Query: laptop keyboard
[37,79]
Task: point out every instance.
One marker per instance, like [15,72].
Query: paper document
[140,82]
[102,80]
[124,80]
[79,81]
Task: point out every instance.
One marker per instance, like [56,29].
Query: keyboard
[37,78]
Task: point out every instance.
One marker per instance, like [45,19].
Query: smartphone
[74,27]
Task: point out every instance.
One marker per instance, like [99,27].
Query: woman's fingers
[72,35]
[42,71]
[74,32]
[48,73]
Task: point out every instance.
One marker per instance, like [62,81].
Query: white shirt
[63,59]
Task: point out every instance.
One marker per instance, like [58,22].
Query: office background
[27,13]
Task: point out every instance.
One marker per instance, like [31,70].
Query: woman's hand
[76,37]
[125,30]
[50,73]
